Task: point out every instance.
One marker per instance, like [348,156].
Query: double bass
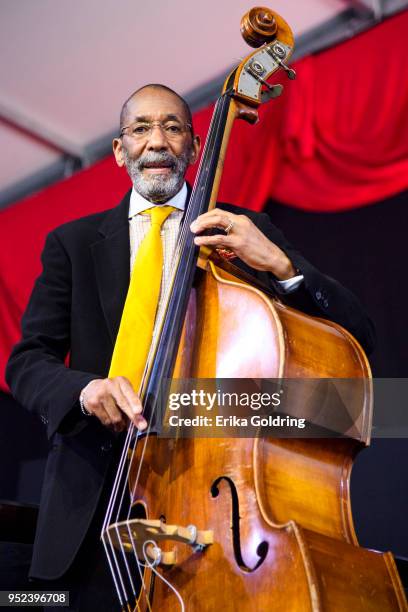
[262,523]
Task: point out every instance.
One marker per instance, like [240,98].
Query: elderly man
[76,309]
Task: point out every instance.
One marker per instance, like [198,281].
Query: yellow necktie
[136,326]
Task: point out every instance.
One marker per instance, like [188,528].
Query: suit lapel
[111,257]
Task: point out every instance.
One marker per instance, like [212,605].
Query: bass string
[121,595]
[115,570]
[128,524]
[125,562]
[126,481]
[119,478]
[105,534]
[118,475]
[113,502]
[201,183]
[114,565]
[112,553]
[108,519]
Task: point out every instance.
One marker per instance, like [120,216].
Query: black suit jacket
[75,309]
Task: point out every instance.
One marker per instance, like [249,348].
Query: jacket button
[318,295]
[326,303]
[105,448]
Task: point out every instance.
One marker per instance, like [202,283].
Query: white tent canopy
[67,67]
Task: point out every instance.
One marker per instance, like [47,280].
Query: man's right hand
[114,402]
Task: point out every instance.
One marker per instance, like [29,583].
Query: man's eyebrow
[145,119]
[172,118]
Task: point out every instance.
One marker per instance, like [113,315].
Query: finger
[120,400]
[140,422]
[99,411]
[213,218]
[204,223]
[214,212]
[128,395]
[218,240]
[131,402]
[117,419]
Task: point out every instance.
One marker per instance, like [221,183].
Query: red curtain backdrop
[336,139]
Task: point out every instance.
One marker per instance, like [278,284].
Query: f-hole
[262,548]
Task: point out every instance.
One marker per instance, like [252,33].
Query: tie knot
[159,214]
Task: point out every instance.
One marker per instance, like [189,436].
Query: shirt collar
[138,203]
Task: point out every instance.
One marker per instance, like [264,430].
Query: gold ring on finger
[229,227]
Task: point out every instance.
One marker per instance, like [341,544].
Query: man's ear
[118,151]
[195,149]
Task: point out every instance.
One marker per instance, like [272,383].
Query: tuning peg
[290,73]
[273,91]
[278,53]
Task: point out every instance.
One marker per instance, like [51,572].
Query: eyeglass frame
[152,125]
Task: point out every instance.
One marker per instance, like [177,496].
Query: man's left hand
[245,240]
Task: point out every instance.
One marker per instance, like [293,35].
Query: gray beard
[157,188]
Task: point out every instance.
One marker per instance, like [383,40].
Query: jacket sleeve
[36,372]
[320,295]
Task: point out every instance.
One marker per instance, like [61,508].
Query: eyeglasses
[143,130]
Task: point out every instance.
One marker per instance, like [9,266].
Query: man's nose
[157,139]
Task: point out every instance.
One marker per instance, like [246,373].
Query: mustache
[156,157]
[157,185]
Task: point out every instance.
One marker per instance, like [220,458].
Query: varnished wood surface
[258,26]
[303,570]
[291,496]
[308,481]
